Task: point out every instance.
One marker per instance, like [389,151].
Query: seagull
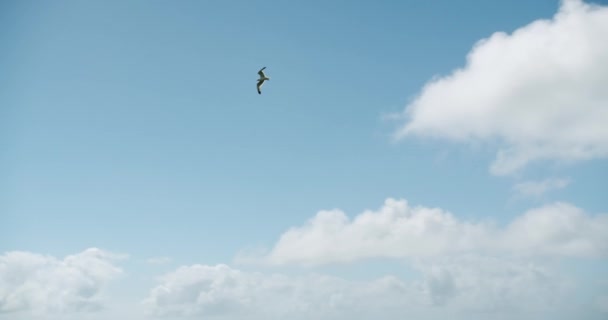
[261,79]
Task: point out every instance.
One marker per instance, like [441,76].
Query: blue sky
[135,127]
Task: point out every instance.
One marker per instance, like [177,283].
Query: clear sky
[134,144]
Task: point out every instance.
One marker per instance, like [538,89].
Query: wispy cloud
[539,188]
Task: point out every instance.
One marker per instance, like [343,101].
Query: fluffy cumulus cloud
[460,270]
[40,284]
[539,188]
[464,288]
[537,93]
[558,229]
[398,230]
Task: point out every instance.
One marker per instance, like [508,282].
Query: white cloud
[489,284]
[398,230]
[538,188]
[201,290]
[463,288]
[558,229]
[41,284]
[538,93]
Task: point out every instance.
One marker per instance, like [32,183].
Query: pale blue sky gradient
[132,123]
[135,126]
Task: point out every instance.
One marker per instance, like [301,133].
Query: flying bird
[261,80]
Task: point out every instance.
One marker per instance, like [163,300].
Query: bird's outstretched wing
[261,73]
[260,83]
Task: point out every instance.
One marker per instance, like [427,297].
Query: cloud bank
[41,284]
[463,288]
[398,230]
[538,93]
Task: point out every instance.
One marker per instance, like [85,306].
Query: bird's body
[261,80]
